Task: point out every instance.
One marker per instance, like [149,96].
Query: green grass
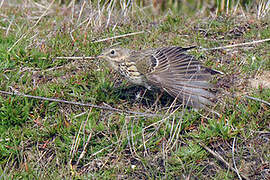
[43,140]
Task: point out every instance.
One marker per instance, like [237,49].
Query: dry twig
[237,172]
[120,36]
[79,104]
[77,58]
[235,45]
[257,99]
[86,144]
[219,157]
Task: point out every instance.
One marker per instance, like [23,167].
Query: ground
[126,134]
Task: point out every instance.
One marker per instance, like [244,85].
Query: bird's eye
[112,52]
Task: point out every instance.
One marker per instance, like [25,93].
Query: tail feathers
[193,95]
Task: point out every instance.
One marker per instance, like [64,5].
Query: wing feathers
[182,76]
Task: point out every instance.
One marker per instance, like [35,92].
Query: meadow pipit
[168,68]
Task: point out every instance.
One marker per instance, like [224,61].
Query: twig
[234,164]
[235,45]
[257,99]
[218,156]
[76,58]
[78,104]
[94,154]
[128,137]
[144,145]
[132,140]
[72,3]
[1,4]
[85,146]
[82,8]
[9,26]
[120,36]
[76,142]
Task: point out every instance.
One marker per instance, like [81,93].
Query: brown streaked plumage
[168,68]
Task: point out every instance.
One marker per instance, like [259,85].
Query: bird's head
[114,55]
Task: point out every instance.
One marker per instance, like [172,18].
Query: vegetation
[41,139]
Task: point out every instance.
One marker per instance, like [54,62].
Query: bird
[170,69]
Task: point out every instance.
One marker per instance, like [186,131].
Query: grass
[44,140]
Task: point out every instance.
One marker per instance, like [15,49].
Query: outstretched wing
[182,76]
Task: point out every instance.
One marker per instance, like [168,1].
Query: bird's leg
[140,95]
[158,98]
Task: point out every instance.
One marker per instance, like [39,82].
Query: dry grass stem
[31,28]
[236,45]
[85,145]
[120,36]
[257,99]
[219,157]
[9,26]
[81,11]
[77,58]
[234,164]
